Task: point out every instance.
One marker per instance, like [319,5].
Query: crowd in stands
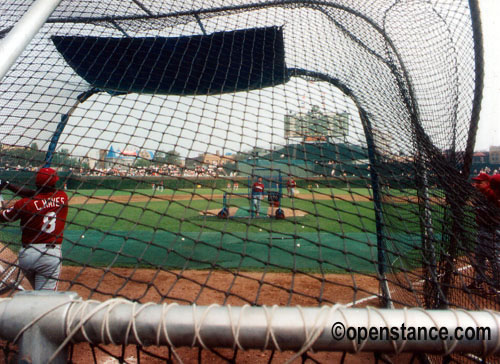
[19,168]
[165,171]
[172,170]
[486,170]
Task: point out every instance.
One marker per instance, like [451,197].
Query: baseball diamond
[247,182]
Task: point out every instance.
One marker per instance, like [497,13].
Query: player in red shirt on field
[257,196]
[43,216]
[291,185]
[488,233]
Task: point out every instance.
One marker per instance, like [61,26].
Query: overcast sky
[489,129]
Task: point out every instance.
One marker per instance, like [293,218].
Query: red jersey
[291,183]
[258,188]
[42,217]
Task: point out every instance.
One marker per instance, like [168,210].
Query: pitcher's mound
[214,212]
[270,212]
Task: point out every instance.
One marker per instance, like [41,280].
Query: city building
[480,157]
[217,159]
[122,159]
[494,155]
[317,125]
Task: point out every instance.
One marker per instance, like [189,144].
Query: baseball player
[43,216]
[257,195]
[488,231]
[291,185]
[495,260]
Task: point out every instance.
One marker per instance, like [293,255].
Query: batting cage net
[155,113]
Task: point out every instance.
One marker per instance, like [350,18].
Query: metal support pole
[428,241]
[36,319]
[23,32]
[63,317]
[55,138]
[62,124]
[377,201]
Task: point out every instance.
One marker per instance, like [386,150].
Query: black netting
[159,117]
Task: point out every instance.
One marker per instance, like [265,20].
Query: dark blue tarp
[189,65]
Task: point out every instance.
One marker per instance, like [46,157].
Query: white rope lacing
[80,312]
[198,325]
[162,328]
[496,317]
[39,317]
[320,322]
[134,321]
[106,336]
[236,330]
[447,351]
[84,320]
[269,328]
[393,341]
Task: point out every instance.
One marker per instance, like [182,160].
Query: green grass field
[334,235]
[208,191]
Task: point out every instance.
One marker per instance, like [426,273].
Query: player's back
[43,217]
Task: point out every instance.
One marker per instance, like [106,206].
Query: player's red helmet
[481,177]
[46,177]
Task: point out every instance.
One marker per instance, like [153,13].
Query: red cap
[482,177]
[495,182]
[46,177]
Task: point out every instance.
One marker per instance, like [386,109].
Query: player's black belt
[48,246]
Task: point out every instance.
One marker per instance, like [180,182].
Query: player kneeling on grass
[43,216]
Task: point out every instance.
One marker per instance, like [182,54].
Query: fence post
[36,319]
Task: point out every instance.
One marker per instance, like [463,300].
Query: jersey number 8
[49,222]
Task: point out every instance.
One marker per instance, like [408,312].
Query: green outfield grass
[208,191]
[216,191]
[184,216]
[334,235]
